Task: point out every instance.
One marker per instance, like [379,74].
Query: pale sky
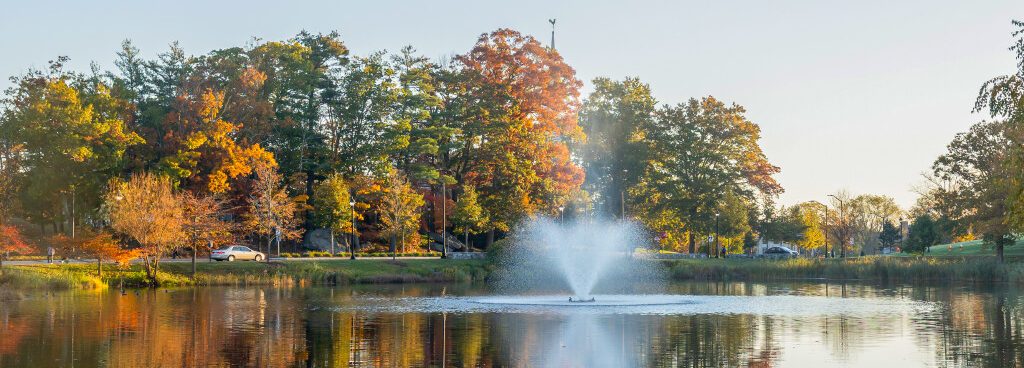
[855,95]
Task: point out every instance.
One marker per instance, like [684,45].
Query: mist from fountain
[580,256]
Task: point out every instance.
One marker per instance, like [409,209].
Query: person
[49,254]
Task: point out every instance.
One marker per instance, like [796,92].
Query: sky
[850,95]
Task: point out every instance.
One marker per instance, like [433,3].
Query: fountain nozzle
[581,300]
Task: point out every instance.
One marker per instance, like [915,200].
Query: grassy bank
[343,271]
[326,272]
[897,269]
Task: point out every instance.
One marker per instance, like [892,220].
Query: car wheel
[231,258]
[258,257]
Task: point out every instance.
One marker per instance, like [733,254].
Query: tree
[525,100]
[11,242]
[813,221]
[615,117]
[469,216]
[922,234]
[978,162]
[889,235]
[868,212]
[203,223]
[103,246]
[331,208]
[270,211]
[146,210]
[699,151]
[400,207]
[70,136]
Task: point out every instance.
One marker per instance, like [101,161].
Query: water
[682,324]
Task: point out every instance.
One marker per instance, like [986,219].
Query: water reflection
[275,327]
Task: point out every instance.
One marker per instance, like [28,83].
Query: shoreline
[419,270]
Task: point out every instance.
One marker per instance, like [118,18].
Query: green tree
[701,150]
[922,234]
[331,208]
[977,161]
[469,216]
[615,117]
[889,234]
[400,208]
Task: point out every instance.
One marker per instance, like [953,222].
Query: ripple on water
[646,304]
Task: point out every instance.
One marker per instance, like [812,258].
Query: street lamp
[351,242]
[561,218]
[444,219]
[719,253]
[622,194]
[842,227]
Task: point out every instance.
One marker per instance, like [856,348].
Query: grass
[975,248]
[319,272]
[898,269]
[910,269]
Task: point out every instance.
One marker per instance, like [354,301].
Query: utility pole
[552,21]
[444,219]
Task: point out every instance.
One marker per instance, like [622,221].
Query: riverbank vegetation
[287,273]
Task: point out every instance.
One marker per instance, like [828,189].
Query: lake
[714,324]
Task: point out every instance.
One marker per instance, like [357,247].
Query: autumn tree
[400,208]
[70,135]
[11,241]
[332,207]
[526,101]
[469,216]
[270,211]
[921,234]
[203,222]
[103,247]
[148,211]
[813,220]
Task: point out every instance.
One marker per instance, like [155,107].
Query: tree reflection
[302,327]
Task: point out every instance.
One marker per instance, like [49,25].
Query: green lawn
[975,248]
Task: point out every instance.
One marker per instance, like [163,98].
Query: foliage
[146,210]
[400,207]
[889,235]
[270,211]
[700,151]
[922,234]
[203,221]
[469,216]
[331,204]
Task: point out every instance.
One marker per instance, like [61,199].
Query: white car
[780,252]
[231,253]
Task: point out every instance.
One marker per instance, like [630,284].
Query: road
[204,260]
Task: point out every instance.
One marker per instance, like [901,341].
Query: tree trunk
[332,242]
[999,252]
[99,267]
[194,251]
[692,242]
[466,237]
[490,238]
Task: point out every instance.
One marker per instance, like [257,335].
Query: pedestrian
[49,254]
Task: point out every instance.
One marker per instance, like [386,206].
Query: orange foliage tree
[146,209]
[531,97]
[11,242]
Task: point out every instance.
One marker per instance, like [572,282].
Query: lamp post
[351,242]
[622,194]
[842,227]
[444,219]
[717,249]
[561,217]
[901,234]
